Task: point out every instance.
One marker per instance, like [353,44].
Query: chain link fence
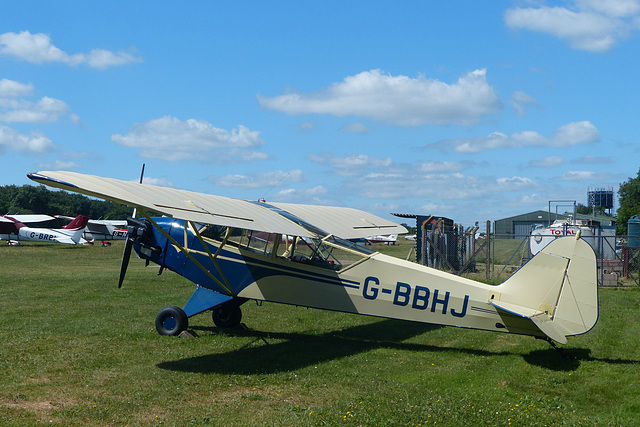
[494,257]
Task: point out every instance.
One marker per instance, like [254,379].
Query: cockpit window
[215,232]
[331,253]
[326,251]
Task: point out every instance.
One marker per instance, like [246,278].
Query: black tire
[227,315]
[171,320]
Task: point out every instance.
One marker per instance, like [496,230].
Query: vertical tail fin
[557,290]
[78,222]
[76,227]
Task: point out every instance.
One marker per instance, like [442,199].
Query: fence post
[487,260]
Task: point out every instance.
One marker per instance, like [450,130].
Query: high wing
[26,219]
[281,218]
[347,223]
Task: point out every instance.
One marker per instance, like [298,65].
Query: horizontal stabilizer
[514,309]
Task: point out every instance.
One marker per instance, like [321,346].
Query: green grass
[76,350]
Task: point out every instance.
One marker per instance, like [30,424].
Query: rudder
[557,290]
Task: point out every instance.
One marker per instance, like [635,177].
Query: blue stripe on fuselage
[239,269]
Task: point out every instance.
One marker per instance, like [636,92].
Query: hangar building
[520,226]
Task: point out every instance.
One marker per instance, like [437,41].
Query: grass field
[76,350]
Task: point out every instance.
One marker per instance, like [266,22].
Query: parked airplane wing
[343,222]
[26,219]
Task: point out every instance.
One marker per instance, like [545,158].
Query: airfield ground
[76,350]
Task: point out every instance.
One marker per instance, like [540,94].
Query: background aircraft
[12,229]
[103,229]
[210,241]
[389,239]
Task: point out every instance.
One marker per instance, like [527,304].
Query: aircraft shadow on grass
[299,350]
[570,359]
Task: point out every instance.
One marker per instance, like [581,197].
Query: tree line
[629,195]
[29,199]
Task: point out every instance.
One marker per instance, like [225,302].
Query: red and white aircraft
[103,229]
[13,229]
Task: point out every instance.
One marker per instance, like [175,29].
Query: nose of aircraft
[139,231]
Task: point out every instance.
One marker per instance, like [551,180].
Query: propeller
[126,255]
[139,231]
[125,260]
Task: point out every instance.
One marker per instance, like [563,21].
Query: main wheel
[171,320]
[227,315]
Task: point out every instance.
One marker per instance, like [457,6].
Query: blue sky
[471,110]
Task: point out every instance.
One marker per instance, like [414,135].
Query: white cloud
[14,107]
[443,188]
[435,208]
[35,142]
[521,101]
[38,49]
[43,110]
[59,165]
[100,58]
[161,182]
[383,179]
[315,194]
[411,183]
[259,179]
[591,25]
[614,8]
[355,127]
[439,167]
[596,160]
[306,126]
[399,100]
[547,162]
[573,133]
[515,183]
[351,165]
[171,139]
[13,89]
[584,176]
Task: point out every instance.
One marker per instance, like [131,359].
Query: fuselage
[21,232]
[333,275]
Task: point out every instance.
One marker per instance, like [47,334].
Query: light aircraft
[103,229]
[13,228]
[389,239]
[210,241]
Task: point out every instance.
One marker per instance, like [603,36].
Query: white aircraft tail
[555,293]
[76,227]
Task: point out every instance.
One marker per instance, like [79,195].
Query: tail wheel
[228,315]
[171,320]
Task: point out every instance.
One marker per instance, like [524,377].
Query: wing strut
[187,253]
[206,247]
